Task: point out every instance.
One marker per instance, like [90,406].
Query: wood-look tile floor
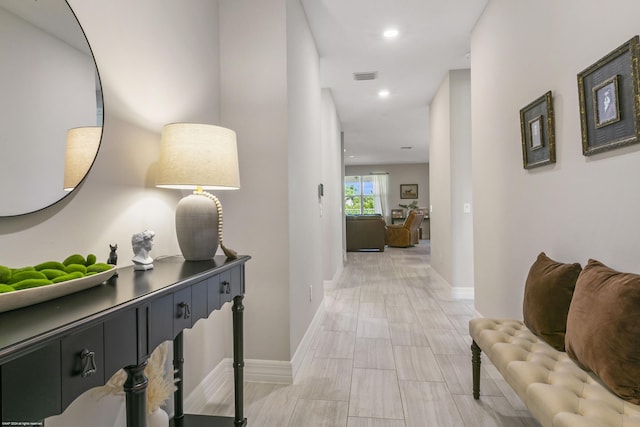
[393,352]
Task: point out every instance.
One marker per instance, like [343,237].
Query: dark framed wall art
[408,191]
[608,92]
[537,129]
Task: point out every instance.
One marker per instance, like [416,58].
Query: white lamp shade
[197,155]
[82,146]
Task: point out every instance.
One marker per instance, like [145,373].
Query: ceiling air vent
[369,75]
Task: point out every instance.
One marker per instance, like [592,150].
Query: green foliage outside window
[358,195]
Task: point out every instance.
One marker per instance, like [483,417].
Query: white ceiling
[433,38]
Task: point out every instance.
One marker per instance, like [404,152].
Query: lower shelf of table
[192,420]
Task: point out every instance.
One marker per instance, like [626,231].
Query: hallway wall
[576,209]
[451,203]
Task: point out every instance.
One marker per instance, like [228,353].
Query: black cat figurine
[113,256]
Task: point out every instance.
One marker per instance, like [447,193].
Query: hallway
[393,352]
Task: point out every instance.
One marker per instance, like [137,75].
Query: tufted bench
[556,391]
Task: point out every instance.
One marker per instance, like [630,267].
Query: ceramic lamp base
[197,227]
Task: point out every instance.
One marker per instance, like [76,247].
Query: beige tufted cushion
[557,392]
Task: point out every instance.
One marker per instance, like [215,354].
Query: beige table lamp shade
[196,155]
[82,146]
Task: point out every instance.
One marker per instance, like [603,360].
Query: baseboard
[456,292]
[197,400]
[462,293]
[307,340]
[264,371]
[338,273]
[268,371]
[330,285]
[255,370]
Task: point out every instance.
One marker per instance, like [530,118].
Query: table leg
[178,371]
[238,360]
[135,388]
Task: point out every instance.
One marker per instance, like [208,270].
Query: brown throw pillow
[547,295]
[603,328]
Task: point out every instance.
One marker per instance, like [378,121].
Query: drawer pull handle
[226,288]
[186,312]
[88,359]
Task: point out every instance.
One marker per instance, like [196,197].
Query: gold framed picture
[537,129]
[608,91]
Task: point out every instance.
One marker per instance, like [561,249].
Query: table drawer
[199,301]
[156,324]
[34,377]
[82,362]
[120,342]
[230,285]
[182,311]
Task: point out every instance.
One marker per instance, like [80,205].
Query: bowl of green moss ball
[75,272]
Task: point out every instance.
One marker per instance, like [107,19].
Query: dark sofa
[365,232]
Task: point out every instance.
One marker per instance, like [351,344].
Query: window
[363,194]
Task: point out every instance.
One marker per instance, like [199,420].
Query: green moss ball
[25,275]
[70,276]
[54,265]
[52,273]
[76,267]
[75,259]
[6,288]
[31,283]
[91,259]
[99,267]
[5,274]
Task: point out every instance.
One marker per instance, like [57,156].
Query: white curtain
[380,192]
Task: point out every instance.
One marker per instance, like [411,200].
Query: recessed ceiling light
[383,93]
[391,33]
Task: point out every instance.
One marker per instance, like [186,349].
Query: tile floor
[393,352]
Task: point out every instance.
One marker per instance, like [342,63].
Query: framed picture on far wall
[537,128]
[408,191]
[608,90]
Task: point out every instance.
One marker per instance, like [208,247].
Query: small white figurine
[142,243]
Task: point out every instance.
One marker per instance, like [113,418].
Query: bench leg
[475,363]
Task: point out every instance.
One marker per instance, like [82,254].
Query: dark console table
[52,352]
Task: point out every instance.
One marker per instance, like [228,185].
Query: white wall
[253,81]
[578,208]
[305,173]
[452,225]
[440,180]
[332,177]
[270,94]
[461,185]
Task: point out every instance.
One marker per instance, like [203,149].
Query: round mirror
[51,93]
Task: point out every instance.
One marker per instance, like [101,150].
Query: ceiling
[433,38]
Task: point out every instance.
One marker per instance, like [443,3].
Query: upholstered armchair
[405,234]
